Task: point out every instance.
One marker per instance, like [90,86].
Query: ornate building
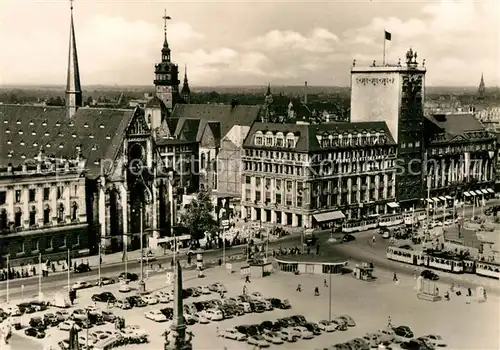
[310,175]
[460,157]
[395,94]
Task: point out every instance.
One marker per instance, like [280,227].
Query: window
[46,194]
[18,196]
[417,143]
[279,142]
[257,181]
[248,180]
[269,140]
[35,245]
[278,185]
[268,183]
[74,210]
[60,191]
[288,199]
[258,140]
[46,215]
[289,185]
[33,216]
[3,197]
[299,201]
[3,219]
[17,217]
[278,198]
[257,196]
[60,213]
[248,195]
[50,243]
[32,194]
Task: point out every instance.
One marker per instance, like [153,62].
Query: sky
[248,42]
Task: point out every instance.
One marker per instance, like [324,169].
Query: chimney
[234,103]
[305,92]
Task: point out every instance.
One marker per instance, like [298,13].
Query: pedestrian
[469,292]
[316,291]
[247,279]
[395,278]
[245,290]
[437,291]
[299,288]
[325,283]
[452,288]
[447,296]
[485,296]
[373,239]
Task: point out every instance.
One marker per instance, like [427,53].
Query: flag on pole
[388,35]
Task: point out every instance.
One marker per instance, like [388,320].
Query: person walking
[395,278]
[316,291]
[247,279]
[299,288]
[325,283]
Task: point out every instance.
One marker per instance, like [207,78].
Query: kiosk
[363,272]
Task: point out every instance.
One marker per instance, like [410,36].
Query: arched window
[46,214]
[18,217]
[280,139]
[258,138]
[203,161]
[33,216]
[74,210]
[269,138]
[290,140]
[60,213]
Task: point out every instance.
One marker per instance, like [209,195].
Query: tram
[414,217]
[488,269]
[407,256]
[444,262]
[389,220]
[369,223]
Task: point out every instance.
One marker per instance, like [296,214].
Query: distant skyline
[248,43]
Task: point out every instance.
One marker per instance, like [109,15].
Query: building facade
[395,94]
[305,175]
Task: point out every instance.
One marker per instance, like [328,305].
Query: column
[10,203]
[125,208]
[67,202]
[385,182]
[349,189]
[102,211]
[273,216]
[262,214]
[53,200]
[295,221]
[25,207]
[358,192]
[253,214]
[283,218]
[39,204]
[443,172]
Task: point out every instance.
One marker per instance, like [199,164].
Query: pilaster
[125,209]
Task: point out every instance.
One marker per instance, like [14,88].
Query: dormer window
[96,162]
[48,145]
[44,123]
[94,148]
[85,125]
[5,121]
[108,137]
[91,136]
[22,143]
[71,124]
[9,142]
[60,134]
[7,131]
[58,124]
[47,134]
[31,123]
[21,132]
[35,144]
[73,135]
[258,140]
[9,155]
[101,126]
[33,133]
[61,145]
[23,156]
[18,122]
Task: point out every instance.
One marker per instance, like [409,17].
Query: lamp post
[330,296]
[8,278]
[142,284]
[69,270]
[40,276]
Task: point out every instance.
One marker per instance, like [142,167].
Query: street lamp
[8,278]
[142,284]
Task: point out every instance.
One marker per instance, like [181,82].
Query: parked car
[150,299]
[155,315]
[327,326]
[124,287]
[287,335]
[414,345]
[217,287]
[272,337]
[50,319]
[105,281]
[168,312]
[386,335]
[271,326]
[128,276]
[256,295]
[82,268]
[67,325]
[78,314]
[205,290]
[35,332]
[80,285]
[37,322]
[149,257]
[340,323]
[123,304]
[136,301]
[435,339]
[108,316]
[302,332]
[38,305]
[233,333]
[348,238]
[429,275]
[349,320]
[299,320]
[104,297]
[313,328]
[403,334]
[257,340]
[162,297]
[213,314]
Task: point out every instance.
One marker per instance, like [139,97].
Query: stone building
[305,175]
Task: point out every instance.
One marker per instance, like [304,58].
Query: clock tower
[167,75]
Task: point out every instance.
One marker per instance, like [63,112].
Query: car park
[162,297]
[327,326]
[37,322]
[288,335]
[150,299]
[257,340]
[267,305]
[233,333]
[213,314]
[434,339]
[155,315]
[104,297]
[272,337]
[341,324]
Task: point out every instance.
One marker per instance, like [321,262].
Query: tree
[198,217]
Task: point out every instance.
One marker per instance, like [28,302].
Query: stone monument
[178,338]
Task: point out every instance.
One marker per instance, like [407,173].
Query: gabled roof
[306,133]
[24,130]
[456,127]
[227,115]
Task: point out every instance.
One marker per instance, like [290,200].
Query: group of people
[458,292]
[294,251]
[316,289]
[29,270]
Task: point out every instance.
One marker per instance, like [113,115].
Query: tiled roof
[154,102]
[456,123]
[187,129]
[307,141]
[227,115]
[25,129]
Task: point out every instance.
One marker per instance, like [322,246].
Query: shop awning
[479,193]
[467,194]
[484,191]
[448,197]
[332,215]
[393,205]
[429,200]
[490,191]
[435,199]
[442,198]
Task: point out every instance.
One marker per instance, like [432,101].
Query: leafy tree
[198,217]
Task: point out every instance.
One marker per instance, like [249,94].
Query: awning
[448,197]
[467,194]
[479,193]
[484,191]
[490,190]
[429,200]
[442,198]
[332,215]
[393,205]
[435,199]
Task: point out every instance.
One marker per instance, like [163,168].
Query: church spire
[482,88]
[165,51]
[186,91]
[268,93]
[73,88]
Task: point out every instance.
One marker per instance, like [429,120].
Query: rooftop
[311,258]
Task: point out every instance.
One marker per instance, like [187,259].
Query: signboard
[225,223]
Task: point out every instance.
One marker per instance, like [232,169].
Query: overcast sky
[248,42]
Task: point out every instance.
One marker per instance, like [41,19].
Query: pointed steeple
[73,88]
[482,88]
[268,93]
[186,91]
[165,51]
